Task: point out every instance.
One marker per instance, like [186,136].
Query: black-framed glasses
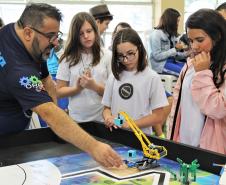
[51,36]
[129,56]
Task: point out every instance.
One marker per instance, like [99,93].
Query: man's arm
[70,131]
[50,87]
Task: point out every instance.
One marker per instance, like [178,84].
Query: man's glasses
[129,56]
[51,36]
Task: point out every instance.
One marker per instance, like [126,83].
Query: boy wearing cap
[102,16]
[222,9]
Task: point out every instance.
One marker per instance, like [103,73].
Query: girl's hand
[201,61]
[79,87]
[179,46]
[125,125]
[87,81]
[109,122]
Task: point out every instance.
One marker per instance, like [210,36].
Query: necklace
[86,67]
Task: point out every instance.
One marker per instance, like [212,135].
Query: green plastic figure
[186,168]
[193,167]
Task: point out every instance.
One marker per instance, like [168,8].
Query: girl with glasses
[133,87]
[84,67]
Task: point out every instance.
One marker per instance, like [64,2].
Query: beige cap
[100,11]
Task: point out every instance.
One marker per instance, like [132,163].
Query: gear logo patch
[2,61]
[24,81]
[34,80]
[126,91]
[31,82]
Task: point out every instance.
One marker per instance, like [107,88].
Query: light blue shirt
[160,49]
[52,62]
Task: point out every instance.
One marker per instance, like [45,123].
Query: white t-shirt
[86,106]
[192,120]
[136,93]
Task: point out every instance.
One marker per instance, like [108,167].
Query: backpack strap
[178,104]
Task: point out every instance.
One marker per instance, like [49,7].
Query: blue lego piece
[130,164]
[132,153]
[119,120]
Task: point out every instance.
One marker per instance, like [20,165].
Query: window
[193,5]
[11,12]
[138,13]
[139,17]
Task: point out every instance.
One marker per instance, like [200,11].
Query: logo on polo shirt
[31,82]
[2,61]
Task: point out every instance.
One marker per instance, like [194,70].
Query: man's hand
[105,155]
[72,133]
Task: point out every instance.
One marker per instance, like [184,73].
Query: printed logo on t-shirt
[31,82]
[126,91]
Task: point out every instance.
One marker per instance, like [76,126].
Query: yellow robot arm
[150,150]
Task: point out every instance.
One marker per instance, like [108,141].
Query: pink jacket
[212,103]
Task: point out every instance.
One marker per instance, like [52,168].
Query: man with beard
[26,85]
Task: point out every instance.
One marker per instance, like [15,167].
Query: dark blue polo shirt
[20,83]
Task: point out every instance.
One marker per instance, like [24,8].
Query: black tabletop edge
[185,152]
